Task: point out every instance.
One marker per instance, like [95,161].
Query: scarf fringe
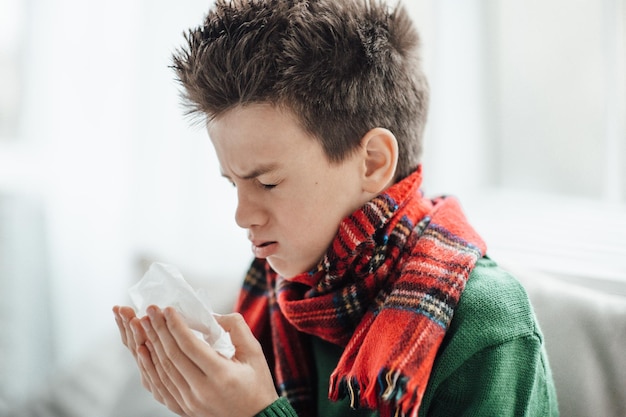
[389,395]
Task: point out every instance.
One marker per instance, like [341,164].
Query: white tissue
[163,285]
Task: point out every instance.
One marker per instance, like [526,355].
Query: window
[558,87]
[527,126]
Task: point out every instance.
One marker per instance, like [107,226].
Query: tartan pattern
[386,290]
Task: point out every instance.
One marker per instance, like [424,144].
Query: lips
[264,249]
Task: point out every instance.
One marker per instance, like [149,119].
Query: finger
[120,324]
[134,337]
[159,389]
[138,332]
[143,356]
[171,364]
[240,334]
[127,315]
[128,339]
[200,353]
[121,320]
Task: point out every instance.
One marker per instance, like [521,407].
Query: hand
[134,338]
[131,331]
[190,376]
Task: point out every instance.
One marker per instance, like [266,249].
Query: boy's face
[291,199]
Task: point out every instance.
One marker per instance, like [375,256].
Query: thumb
[240,334]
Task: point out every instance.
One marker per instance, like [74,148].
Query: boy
[364,298]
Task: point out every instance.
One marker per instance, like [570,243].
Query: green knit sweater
[492,361]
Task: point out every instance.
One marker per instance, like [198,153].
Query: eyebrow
[256,172]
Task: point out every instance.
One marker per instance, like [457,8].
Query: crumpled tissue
[163,285]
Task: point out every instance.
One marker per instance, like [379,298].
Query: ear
[380,149]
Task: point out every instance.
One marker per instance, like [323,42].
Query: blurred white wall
[110,169]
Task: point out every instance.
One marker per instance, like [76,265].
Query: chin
[284,270]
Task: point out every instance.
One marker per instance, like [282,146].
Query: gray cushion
[585,334]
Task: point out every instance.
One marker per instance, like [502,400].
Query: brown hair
[341,67]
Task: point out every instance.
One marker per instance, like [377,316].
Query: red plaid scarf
[386,290]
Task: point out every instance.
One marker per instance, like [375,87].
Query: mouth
[264,249]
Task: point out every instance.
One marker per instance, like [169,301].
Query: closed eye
[267,186]
[255,180]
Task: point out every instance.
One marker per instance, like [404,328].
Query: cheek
[317,231]
[317,209]
[311,224]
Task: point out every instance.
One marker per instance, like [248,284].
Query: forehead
[259,135]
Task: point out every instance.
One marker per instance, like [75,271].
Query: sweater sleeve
[508,379]
[279,408]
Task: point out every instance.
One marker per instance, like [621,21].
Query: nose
[249,212]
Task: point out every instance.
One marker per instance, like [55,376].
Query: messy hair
[342,67]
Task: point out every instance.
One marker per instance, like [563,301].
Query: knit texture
[279,408]
[386,291]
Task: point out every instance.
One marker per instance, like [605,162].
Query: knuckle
[238,319]
[173,354]
[168,366]
[157,325]
[233,321]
